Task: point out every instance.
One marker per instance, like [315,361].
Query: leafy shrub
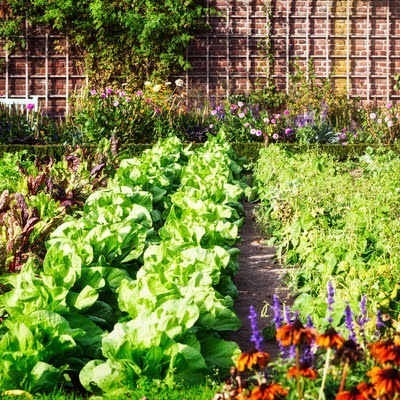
[120,40]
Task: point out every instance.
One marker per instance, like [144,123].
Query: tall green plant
[132,40]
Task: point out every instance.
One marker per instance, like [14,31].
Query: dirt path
[259,277]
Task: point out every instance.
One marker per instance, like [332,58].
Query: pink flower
[288,131]
[103,95]
[30,106]
[139,93]
[253,131]
[109,91]
[93,92]
[275,136]
[246,124]
[116,104]
[277,116]
[241,115]
[258,132]
[240,104]
[372,116]
[273,121]
[286,112]
[389,106]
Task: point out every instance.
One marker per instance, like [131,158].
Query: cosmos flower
[304,370]
[363,391]
[330,339]
[250,360]
[386,381]
[268,392]
[385,351]
[294,334]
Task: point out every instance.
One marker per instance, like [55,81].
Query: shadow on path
[259,277]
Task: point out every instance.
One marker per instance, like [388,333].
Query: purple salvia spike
[256,337]
[349,323]
[276,309]
[330,301]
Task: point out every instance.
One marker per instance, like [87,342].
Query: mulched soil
[259,277]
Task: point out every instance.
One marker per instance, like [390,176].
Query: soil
[260,276]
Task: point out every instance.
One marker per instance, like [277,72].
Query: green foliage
[131,116]
[333,221]
[124,40]
[124,300]
[27,127]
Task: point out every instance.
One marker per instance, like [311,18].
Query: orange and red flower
[330,339]
[386,351]
[304,370]
[273,391]
[252,359]
[363,391]
[386,381]
[295,334]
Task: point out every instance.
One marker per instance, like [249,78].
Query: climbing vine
[121,40]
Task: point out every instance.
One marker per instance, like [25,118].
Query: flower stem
[344,376]
[321,395]
[298,378]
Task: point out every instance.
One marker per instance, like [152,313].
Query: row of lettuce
[137,284]
[338,222]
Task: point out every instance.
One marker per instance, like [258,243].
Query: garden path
[260,276]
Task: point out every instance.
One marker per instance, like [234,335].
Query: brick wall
[356,43]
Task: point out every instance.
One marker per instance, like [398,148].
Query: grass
[148,390]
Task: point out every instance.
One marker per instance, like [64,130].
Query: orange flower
[271,392]
[294,334]
[304,370]
[363,391]
[386,381]
[251,360]
[385,351]
[330,339]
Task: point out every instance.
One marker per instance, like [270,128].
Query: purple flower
[309,323]
[253,131]
[103,95]
[214,112]
[276,310]
[389,106]
[256,337]
[30,106]
[288,131]
[275,136]
[379,321]
[330,301]
[109,91]
[349,323]
[258,132]
[363,318]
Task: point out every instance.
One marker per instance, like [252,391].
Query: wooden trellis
[56,78]
[362,23]
[232,57]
